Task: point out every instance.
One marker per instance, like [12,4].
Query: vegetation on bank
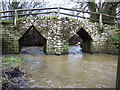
[11,72]
[8,62]
[7,22]
[115,37]
[43,17]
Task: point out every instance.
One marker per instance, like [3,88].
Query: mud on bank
[12,74]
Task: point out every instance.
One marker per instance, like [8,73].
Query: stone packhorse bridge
[57,32]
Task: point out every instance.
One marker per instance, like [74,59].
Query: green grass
[7,22]
[8,62]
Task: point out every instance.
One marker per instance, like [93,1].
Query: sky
[51,3]
[58,3]
[62,3]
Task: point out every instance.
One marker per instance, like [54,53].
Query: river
[74,70]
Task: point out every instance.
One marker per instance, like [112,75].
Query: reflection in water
[75,70]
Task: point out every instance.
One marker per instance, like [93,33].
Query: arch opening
[81,40]
[32,42]
[74,44]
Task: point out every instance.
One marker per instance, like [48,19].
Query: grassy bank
[11,72]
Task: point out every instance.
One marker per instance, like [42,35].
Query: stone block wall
[56,44]
[103,43]
[113,46]
[9,41]
[109,46]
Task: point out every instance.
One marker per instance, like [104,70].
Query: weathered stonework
[55,42]
[57,32]
[103,43]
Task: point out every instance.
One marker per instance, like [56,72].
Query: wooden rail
[28,9]
[57,12]
[86,18]
[90,12]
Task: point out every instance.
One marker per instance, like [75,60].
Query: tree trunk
[100,17]
[118,71]
[100,21]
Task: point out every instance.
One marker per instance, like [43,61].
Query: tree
[14,4]
[100,7]
[106,8]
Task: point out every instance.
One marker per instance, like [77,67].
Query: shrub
[8,62]
[115,37]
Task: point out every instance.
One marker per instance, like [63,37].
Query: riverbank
[12,73]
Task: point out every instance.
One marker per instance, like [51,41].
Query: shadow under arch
[41,40]
[86,40]
[84,35]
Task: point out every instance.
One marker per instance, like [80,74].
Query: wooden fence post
[16,17]
[118,70]
[100,21]
[53,14]
[58,13]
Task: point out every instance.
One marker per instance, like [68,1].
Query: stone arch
[87,32]
[89,27]
[42,27]
[39,25]
[84,35]
[26,31]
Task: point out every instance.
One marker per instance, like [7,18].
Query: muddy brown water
[74,70]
